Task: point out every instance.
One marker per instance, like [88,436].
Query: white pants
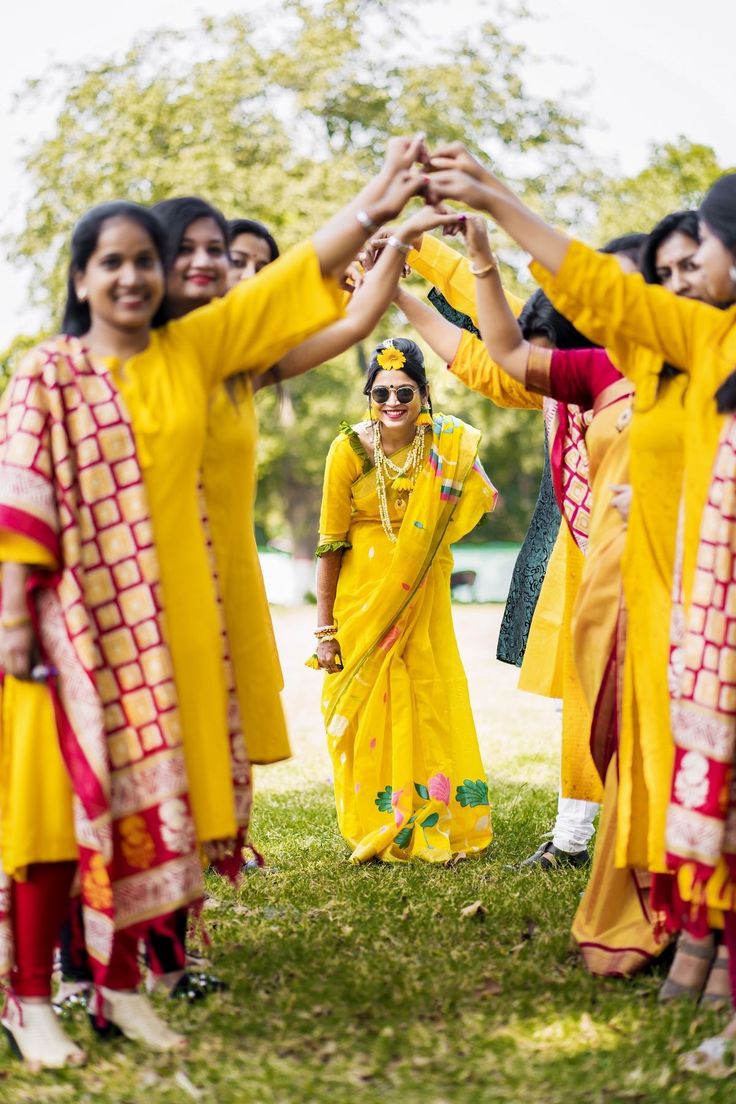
[574,825]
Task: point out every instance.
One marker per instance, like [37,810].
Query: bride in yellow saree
[409,781]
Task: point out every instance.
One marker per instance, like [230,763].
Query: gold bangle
[538,367]
[15,622]
[479,273]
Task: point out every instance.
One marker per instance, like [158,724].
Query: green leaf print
[472,793]
[383,800]
[430,821]
[403,837]
[422,791]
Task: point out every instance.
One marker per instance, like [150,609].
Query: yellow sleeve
[261,319]
[15,548]
[474,366]
[342,468]
[450,273]
[619,310]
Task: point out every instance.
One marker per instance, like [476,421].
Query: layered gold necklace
[402,478]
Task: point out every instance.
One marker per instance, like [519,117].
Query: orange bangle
[538,364]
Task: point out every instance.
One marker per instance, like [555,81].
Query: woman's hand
[16,649]
[403,152]
[474,229]
[399,190]
[328,651]
[621,499]
[424,219]
[456,156]
[458,185]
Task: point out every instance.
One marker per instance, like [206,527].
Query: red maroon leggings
[40,906]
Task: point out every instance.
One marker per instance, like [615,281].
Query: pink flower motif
[398,817]
[390,638]
[396,797]
[439,788]
[373,743]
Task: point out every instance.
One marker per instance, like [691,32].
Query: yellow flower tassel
[425,418]
[312,662]
[402,483]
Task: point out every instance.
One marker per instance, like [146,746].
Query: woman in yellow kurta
[399,489]
[128,407]
[641,325]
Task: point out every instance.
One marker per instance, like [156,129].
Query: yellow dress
[409,781]
[643,325]
[548,667]
[229,480]
[166,389]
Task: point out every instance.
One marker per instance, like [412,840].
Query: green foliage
[282,119]
[677,176]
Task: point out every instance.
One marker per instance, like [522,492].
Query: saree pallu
[701,818]
[409,782]
[71,488]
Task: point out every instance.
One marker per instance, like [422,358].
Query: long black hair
[539,318]
[718,212]
[238,226]
[627,245]
[77,319]
[176,214]
[678,222]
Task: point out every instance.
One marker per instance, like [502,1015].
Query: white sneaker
[133,1014]
[36,1036]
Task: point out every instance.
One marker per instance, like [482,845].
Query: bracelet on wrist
[397,243]
[366,221]
[326,638]
[479,273]
[15,622]
[322,632]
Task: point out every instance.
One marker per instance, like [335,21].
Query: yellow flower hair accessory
[391,358]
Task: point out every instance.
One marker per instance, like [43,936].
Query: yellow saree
[409,782]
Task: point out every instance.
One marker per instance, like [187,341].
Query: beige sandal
[36,1036]
[717,993]
[714,1057]
[133,1015]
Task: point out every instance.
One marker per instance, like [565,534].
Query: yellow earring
[425,417]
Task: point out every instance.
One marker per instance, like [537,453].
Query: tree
[677,176]
[282,121]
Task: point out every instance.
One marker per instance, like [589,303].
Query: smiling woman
[399,488]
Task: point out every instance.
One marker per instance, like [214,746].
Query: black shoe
[549,857]
[196,986]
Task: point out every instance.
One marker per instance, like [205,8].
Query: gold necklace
[402,478]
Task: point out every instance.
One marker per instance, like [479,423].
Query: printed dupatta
[70,481]
[701,819]
[566,428]
[390,612]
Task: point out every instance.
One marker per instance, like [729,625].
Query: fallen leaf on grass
[489,988]
[476,909]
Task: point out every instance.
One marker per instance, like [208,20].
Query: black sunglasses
[404,394]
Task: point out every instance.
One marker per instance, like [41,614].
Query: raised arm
[368,304]
[499,329]
[442,336]
[609,306]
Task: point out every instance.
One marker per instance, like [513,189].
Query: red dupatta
[701,819]
[70,481]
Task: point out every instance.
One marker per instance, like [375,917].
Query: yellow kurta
[166,390]
[229,478]
[412,751]
[642,325]
[548,667]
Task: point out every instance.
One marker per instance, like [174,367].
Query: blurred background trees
[280,118]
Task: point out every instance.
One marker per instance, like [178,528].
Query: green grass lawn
[369,984]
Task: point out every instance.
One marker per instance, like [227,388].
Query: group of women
[141,677]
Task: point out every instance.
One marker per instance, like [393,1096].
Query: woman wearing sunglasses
[399,488]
